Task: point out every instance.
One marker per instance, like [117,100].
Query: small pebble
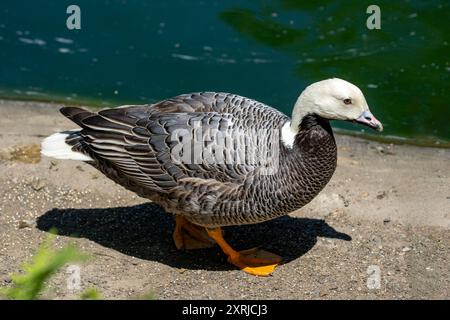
[381,195]
[26,224]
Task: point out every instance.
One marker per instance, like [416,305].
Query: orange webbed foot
[253,261]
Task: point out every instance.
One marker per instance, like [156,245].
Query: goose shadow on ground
[145,231]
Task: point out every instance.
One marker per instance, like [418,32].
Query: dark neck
[313,131]
[302,171]
[313,143]
[309,164]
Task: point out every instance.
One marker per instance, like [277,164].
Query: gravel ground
[387,208]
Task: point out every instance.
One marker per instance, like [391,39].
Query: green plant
[28,284]
[90,294]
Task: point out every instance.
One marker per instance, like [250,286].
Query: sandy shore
[386,206]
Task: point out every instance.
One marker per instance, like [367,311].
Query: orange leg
[190,236]
[253,261]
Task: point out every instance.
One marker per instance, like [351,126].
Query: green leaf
[28,284]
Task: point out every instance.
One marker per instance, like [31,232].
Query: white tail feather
[55,146]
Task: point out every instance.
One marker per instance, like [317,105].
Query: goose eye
[348,101]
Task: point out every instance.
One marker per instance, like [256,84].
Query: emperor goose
[217,159]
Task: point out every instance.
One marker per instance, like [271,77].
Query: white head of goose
[134,146]
[331,99]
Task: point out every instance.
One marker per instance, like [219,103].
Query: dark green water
[143,51]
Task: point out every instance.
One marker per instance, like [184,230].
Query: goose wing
[184,137]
